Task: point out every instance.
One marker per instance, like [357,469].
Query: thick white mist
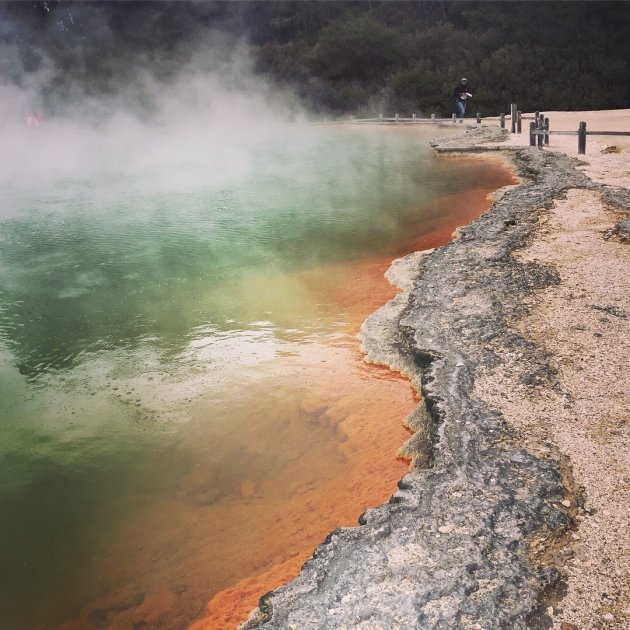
[199,125]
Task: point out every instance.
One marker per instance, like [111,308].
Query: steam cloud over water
[118,90]
[204,115]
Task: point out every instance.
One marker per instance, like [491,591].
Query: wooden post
[547,131]
[540,137]
[513,116]
[478,118]
[532,137]
[454,118]
[536,117]
[502,120]
[582,138]
[518,122]
[397,118]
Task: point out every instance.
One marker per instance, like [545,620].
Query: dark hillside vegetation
[342,57]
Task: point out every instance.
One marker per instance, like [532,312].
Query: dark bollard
[454,118]
[536,117]
[540,136]
[502,120]
[478,118]
[547,131]
[518,122]
[582,138]
[532,137]
[513,116]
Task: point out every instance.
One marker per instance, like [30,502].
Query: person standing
[461,94]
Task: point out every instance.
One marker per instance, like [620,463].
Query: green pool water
[150,303]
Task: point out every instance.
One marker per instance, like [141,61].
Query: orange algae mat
[372,435]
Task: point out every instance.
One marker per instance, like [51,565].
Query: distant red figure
[34,119]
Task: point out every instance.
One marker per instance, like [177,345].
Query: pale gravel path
[584,324]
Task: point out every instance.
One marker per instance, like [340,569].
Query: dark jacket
[460,90]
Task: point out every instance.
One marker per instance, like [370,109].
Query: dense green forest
[340,57]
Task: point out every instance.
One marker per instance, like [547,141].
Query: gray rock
[618,198]
[622,230]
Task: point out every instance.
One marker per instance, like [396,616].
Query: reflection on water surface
[182,400]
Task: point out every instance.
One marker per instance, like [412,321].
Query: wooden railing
[539,131]
[397,119]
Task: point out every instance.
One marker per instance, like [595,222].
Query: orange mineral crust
[305,510]
[325,457]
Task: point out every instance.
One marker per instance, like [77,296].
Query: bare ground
[584,324]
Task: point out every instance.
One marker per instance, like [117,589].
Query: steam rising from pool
[198,125]
[162,316]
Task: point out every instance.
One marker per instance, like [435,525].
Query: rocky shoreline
[476,535]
